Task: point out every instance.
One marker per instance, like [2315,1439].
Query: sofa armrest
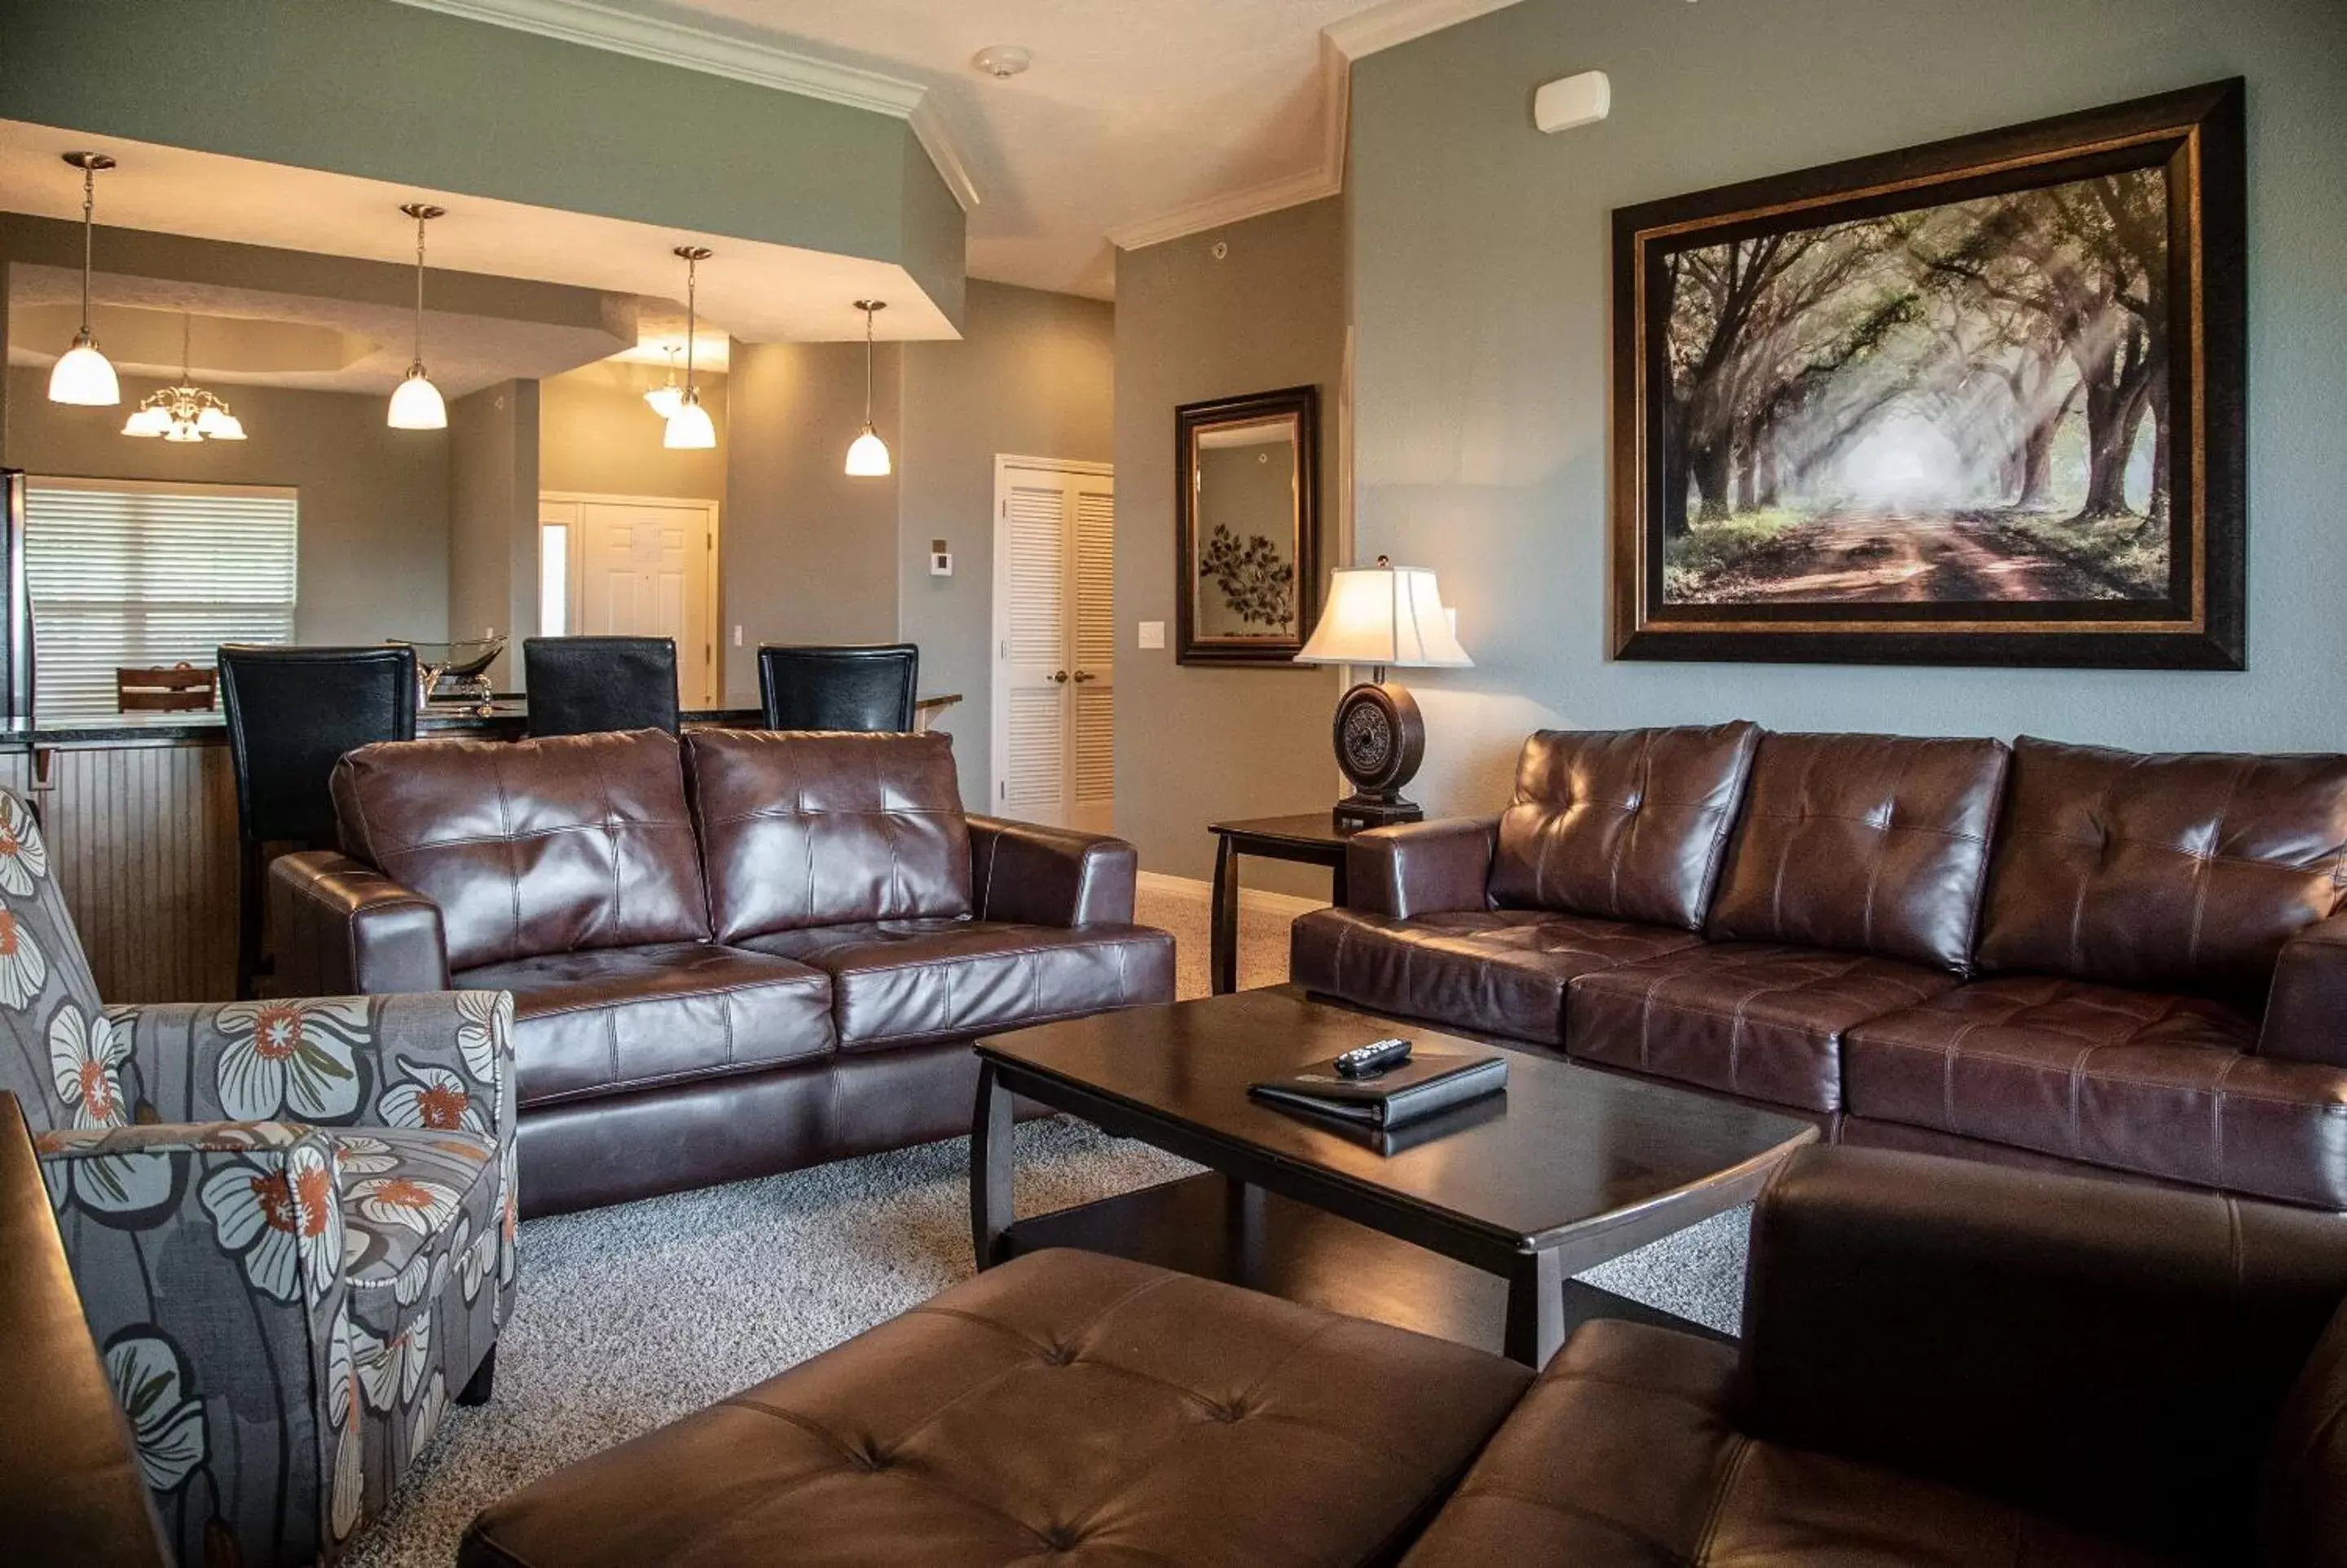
[2098,1351]
[1422,867]
[1050,876]
[342,928]
[2306,1012]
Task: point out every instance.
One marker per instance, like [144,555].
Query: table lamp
[1382,615]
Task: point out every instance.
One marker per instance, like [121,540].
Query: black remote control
[1375,1057]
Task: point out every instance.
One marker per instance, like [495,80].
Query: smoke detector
[1002,61]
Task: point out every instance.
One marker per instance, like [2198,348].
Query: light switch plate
[1152,634]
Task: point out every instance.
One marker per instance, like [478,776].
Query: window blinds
[133,575]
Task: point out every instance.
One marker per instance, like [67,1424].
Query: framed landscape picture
[1974,402]
[1247,527]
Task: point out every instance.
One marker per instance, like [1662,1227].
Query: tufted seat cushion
[1500,972]
[1753,1018]
[1066,1406]
[1625,1455]
[2163,1085]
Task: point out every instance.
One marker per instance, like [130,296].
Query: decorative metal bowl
[454,671]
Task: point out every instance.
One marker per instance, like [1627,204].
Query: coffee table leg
[1222,946]
[1535,1308]
[990,1207]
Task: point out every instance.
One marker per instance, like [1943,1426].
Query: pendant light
[668,398]
[81,374]
[868,455]
[689,429]
[185,412]
[416,402]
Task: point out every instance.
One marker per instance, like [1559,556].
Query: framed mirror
[1247,529]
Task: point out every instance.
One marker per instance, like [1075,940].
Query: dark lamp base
[1356,811]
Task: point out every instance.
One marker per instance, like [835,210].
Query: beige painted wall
[493,519]
[1195,744]
[598,435]
[374,500]
[1033,376]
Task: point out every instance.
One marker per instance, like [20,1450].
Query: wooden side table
[1313,838]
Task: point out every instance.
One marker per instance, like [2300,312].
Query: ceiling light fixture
[868,455]
[1002,61]
[668,398]
[416,402]
[185,412]
[81,374]
[689,429]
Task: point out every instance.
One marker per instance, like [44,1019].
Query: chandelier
[185,412]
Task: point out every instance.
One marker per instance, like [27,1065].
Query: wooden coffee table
[1472,1233]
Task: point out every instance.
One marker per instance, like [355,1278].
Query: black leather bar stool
[846,688]
[578,685]
[291,715]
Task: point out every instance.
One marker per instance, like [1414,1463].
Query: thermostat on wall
[941,559]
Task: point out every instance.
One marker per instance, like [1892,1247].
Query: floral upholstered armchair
[292,1222]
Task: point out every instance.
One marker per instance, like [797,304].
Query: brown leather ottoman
[1064,1406]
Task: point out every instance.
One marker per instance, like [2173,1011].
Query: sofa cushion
[2183,871]
[531,846]
[2162,1085]
[894,982]
[1751,1019]
[1626,1452]
[812,829]
[1502,972]
[1063,1405]
[1623,825]
[1876,844]
[592,1023]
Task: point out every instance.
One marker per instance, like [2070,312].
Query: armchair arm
[2106,1353]
[431,1058]
[1422,867]
[1050,876]
[342,928]
[2306,1012]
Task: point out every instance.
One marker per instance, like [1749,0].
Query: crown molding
[692,48]
[1341,42]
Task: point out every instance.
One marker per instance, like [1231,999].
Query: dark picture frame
[1264,561]
[2047,599]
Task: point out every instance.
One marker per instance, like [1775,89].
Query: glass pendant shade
[147,421]
[416,404]
[83,377]
[211,421]
[182,430]
[867,456]
[666,400]
[690,428]
[230,428]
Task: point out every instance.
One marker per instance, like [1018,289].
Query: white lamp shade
[149,421]
[415,404]
[690,428]
[1385,615]
[666,400]
[867,456]
[183,430]
[230,428]
[83,377]
[210,420]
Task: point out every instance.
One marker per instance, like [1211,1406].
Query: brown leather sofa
[732,954]
[1942,1363]
[2041,954]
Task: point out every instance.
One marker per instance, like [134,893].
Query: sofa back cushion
[531,847]
[818,828]
[2185,872]
[1626,825]
[1872,844]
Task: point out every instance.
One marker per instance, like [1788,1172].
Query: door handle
[1086,675]
[1060,677]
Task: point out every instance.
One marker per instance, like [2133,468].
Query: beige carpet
[631,1316]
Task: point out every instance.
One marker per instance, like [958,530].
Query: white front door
[643,568]
[1055,644]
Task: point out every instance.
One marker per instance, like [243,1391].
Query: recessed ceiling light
[1002,61]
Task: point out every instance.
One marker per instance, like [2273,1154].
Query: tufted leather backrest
[531,847]
[1874,843]
[2184,871]
[1626,825]
[819,827]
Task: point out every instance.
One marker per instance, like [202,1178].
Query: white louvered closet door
[1054,689]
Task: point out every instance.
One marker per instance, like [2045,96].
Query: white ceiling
[1139,121]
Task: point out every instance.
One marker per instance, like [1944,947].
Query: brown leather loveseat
[733,954]
[2040,952]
